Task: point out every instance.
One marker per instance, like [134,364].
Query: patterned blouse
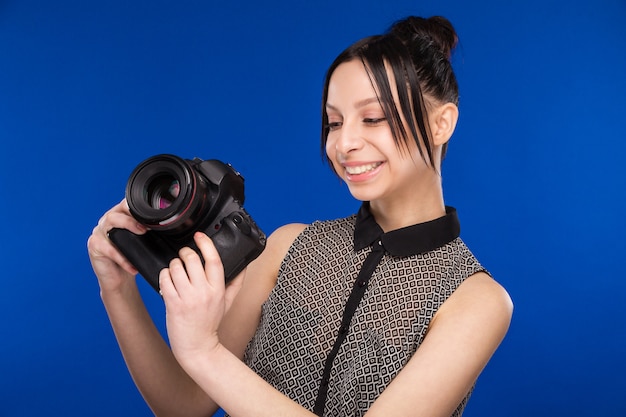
[351,306]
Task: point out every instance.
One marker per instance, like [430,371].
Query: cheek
[331,153]
[330,147]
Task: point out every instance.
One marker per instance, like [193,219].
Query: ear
[443,123]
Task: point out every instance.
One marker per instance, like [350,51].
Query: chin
[363,195]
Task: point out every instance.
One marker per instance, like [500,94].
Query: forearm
[165,386]
[239,390]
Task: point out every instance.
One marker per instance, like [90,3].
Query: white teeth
[362,168]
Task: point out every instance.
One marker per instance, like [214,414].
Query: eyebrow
[358,104]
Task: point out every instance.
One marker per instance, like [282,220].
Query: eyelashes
[376,121]
[332,126]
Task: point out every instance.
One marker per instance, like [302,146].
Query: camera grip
[238,242]
[149,253]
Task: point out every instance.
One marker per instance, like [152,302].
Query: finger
[213,267]
[101,246]
[138,227]
[121,207]
[100,249]
[179,277]
[121,220]
[193,266]
[166,286]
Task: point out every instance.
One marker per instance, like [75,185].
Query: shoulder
[483,289]
[341,229]
[281,239]
[479,301]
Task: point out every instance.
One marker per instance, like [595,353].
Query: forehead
[350,80]
[353,81]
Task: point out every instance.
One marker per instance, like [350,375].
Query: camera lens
[166,193]
[162,192]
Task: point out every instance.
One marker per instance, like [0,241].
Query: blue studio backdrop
[535,168]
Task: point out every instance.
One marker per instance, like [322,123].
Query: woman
[382,313]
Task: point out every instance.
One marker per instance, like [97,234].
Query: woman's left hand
[196,300]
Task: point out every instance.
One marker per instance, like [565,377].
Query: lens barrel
[165,193]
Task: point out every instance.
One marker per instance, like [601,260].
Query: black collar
[407,241]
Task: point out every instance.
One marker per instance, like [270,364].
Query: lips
[361,172]
[362,169]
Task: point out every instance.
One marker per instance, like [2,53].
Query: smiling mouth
[362,169]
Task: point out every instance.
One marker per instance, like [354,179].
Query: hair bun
[437,29]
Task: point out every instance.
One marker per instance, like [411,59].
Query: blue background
[536,169]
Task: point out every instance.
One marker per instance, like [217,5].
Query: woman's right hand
[110,266]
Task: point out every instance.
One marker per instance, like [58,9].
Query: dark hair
[418,52]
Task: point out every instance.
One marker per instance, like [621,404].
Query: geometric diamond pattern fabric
[302,316]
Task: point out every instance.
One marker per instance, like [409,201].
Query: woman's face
[360,144]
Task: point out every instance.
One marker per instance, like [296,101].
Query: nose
[347,138]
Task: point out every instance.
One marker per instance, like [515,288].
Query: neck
[421,206]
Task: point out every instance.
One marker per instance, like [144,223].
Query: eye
[374,121]
[333,126]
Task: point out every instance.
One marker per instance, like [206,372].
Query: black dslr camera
[177,197]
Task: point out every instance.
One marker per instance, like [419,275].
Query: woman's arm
[165,386]
[196,301]
[461,339]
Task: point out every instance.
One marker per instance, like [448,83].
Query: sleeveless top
[420,268]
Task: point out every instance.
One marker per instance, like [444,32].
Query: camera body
[177,197]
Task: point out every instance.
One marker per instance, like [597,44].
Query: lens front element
[162,191]
[165,193]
